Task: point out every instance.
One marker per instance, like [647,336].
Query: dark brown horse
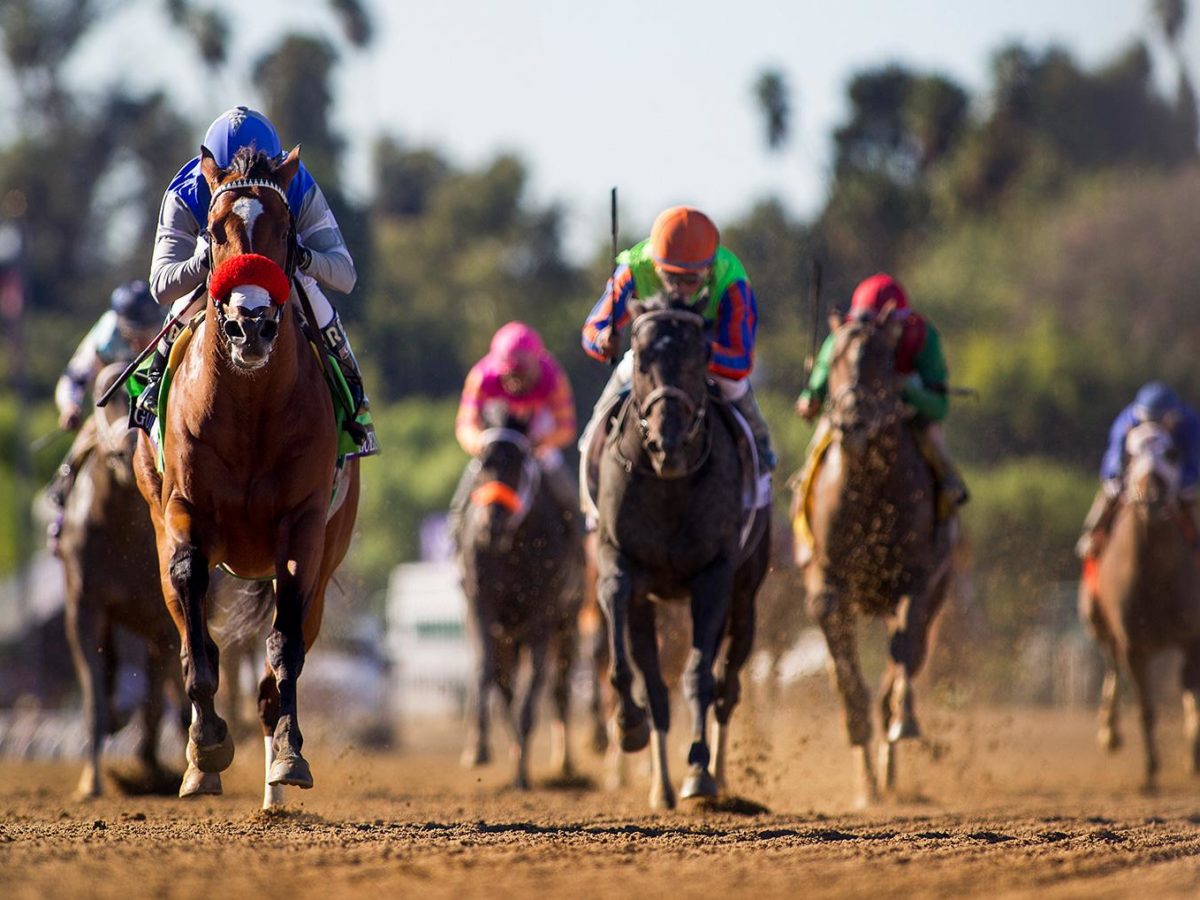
[1143,594]
[670,507]
[107,549]
[522,572]
[878,548]
[250,449]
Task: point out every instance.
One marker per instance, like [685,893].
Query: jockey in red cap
[683,259]
[919,359]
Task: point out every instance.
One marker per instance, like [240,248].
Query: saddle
[339,391]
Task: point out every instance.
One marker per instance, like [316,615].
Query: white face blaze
[248,209]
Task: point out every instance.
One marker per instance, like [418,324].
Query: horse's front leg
[86,632]
[297,619]
[643,639]
[729,689]
[183,563]
[615,591]
[1139,670]
[712,592]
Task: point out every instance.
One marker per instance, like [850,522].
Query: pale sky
[655,97]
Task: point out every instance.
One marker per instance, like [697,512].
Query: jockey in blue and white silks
[1154,402]
[180,260]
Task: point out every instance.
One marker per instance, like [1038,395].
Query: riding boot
[950,484]
[361,427]
[801,485]
[1097,522]
[64,479]
[743,401]
[1191,526]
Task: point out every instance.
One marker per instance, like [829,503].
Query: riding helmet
[237,128]
[874,293]
[1153,401]
[133,303]
[683,239]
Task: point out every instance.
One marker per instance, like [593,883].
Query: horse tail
[240,611]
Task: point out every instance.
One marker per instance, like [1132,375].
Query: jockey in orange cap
[519,379]
[919,361]
[683,259]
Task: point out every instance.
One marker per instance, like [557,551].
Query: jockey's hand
[607,344]
[303,257]
[70,419]
[807,407]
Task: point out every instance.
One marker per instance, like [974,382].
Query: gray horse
[522,572]
[671,528]
[1143,594]
[878,547]
[107,549]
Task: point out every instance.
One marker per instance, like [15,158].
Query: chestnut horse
[250,447]
[1143,594]
[878,548]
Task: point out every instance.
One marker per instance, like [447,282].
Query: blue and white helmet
[241,127]
[1154,401]
[134,305]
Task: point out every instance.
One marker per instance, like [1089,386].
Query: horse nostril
[268,331]
[233,331]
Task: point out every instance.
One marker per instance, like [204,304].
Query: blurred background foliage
[1046,224]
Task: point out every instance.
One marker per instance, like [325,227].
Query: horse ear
[885,314]
[288,168]
[835,320]
[209,168]
[636,308]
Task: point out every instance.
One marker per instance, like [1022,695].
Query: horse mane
[249,162]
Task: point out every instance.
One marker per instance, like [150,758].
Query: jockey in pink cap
[519,379]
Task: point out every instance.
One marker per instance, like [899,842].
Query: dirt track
[994,803]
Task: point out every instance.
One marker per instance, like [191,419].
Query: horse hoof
[292,770]
[902,730]
[698,785]
[520,783]
[474,757]
[636,738]
[1110,740]
[599,740]
[213,758]
[662,800]
[199,784]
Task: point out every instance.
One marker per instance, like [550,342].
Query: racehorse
[1143,593]
[107,549]
[878,548]
[522,572]
[250,447]
[670,525]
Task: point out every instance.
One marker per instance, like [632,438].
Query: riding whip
[814,303]
[149,348]
[612,286]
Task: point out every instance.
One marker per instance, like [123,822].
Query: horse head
[116,442]
[506,480]
[1153,472]
[670,392]
[251,247]
[864,388]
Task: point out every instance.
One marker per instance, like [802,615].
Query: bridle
[696,412]
[289,266]
[884,410]
[496,493]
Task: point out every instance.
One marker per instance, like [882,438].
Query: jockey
[683,258]
[519,378]
[1154,402]
[919,360]
[119,335]
[181,257]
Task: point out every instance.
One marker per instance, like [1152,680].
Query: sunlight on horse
[250,447]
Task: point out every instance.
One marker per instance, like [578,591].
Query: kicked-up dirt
[993,802]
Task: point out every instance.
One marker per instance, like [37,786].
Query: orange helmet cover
[683,239]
